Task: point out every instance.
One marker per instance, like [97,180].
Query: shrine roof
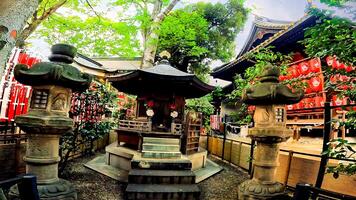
[285,40]
[161,78]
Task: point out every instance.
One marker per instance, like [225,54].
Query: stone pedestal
[269,131]
[266,156]
[47,119]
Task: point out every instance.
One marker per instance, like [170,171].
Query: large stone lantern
[270,97]
[47,119]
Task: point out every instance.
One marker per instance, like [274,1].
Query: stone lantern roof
[57,72]
[270,91]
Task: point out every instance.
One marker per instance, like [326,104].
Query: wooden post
[250,166]
[18,157]
[290,157]
[232,142]
[224,140]
[326,139]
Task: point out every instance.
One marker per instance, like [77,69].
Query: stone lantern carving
[270,97]
[47,118]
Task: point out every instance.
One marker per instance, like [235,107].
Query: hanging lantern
[290,107]
[336,64]
[303,68]
[348,68]
[316,84]
[283,78]
[150,103]
[319,101]
[315,65]
[293,71]
[329,60]
[307,90]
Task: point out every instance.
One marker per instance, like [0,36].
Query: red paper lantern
[339,101]
[290,107]
[336,64]
[315,65]
[329,60]
[293,71]
[319,101]
[282,78]
[172,106]
[316,84]
[307,90]
[150,103]
[303,68]
[348,68]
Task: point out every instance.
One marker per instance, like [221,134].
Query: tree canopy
[200,33]
[93,36]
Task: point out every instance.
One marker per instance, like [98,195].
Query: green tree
[93,36]
[334,36]
[200,33]
[89,125]
[149,16]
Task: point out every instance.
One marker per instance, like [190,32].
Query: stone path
[92,185]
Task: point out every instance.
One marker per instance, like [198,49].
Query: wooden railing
[135,125]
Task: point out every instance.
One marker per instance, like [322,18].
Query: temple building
[158,152]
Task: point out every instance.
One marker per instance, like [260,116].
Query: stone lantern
[270,97]
[47,119]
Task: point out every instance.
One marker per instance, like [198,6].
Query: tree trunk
[151,43]
[36,21]
[13,17]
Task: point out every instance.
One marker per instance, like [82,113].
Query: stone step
[162,164]
[148,176]
[161,154]
[160,192]
[160,147]
[157,140]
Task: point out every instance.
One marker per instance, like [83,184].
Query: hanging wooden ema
[193,126]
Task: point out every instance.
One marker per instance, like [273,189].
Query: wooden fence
[294,168]
[13,149]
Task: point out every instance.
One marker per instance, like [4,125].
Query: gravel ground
[92,185]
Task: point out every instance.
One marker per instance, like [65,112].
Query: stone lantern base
[255,189]
[59,190]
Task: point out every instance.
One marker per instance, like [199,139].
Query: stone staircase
[161,173]
[153,147]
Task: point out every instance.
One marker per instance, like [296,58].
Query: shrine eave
[285,41]
[146,81]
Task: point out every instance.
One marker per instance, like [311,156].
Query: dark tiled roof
[290,35]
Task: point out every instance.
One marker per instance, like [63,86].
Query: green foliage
[342,149]
[89,127]
[241,116]
[260,58]
[92,36]
[200,33]
[337,3]
[332,36]
[203,105]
